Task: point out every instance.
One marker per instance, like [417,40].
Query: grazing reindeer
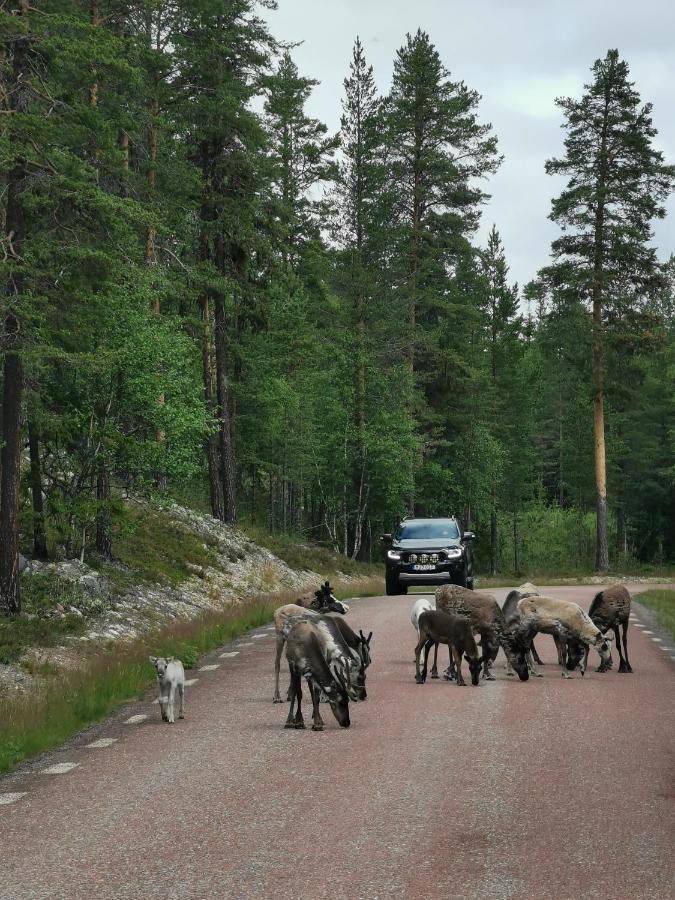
[438,627]
[609,609]
[567,622]
[513,620]
[286,616]
[358,644]
[170,679]
[305,655]
[487,619]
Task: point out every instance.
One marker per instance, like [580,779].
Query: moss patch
[157,548]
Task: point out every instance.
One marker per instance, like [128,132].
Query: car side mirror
[387,538]
[469,536]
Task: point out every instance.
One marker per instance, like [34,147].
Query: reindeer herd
[322,649]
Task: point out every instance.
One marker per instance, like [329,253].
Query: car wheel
[394,587]
[462,579]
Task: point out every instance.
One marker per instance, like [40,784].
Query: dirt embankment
[199,565]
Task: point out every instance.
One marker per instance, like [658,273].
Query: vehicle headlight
[393,555]
[453,552]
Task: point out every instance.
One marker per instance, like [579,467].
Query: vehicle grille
[436,557]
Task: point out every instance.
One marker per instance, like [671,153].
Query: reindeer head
[515,647]
[160,663]
[325,601]
[475,665]
[339,693]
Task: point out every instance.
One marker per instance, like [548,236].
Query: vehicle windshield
[415,531]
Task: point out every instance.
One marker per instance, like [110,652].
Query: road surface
[545,789]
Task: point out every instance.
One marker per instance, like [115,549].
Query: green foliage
[199,262]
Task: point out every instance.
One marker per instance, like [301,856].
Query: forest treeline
[203,286]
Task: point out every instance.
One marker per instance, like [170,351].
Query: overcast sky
[520,55]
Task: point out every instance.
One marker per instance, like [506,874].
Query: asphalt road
[545,789]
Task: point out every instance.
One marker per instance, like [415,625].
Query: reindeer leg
[450,673]
[434,668]
[535,655]
[427,647]
[281,640]
[563,654]
[617,638]
[316,714]
[489,655]
[624,628]
[418,649]
[298,721]
[458,665]
[291,690]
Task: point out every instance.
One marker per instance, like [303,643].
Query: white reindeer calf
[170,679]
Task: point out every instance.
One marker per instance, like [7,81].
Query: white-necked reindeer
[170,681]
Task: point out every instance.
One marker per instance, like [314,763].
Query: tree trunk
[602,546]
[211,444]
[10,597]
[103,534]
[39,537]
[10,600]
[226,449]
[493,540]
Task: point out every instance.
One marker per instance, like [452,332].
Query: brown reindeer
[438,627]
[487,620]
[609,609]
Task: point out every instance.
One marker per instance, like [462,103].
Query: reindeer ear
[368,638]
[153,659]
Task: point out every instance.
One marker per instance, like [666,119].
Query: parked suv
[428,551]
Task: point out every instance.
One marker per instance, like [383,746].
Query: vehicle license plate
[424,568]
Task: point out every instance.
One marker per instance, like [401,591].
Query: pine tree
[222,49]
[358,231]
[437,149]
[618,182]
[300,161]
[504,354]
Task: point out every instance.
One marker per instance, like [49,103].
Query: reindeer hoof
[277,700]
[461,684]
[434,674]
[289,725]
[317,727]
[299,726]
[419,679]
[181,716]
[537,674]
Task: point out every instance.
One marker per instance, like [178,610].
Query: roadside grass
[662,604]
[69,699]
